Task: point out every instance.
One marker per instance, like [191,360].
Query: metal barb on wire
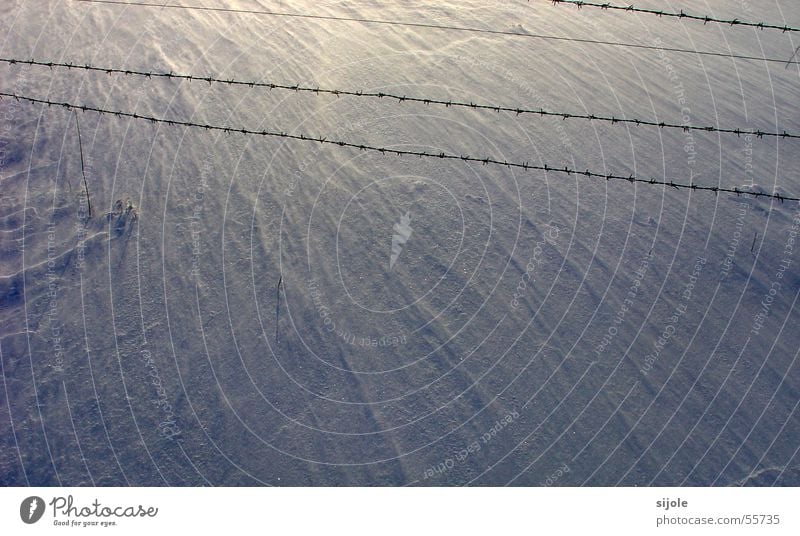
[679,14]
[412,24]
[398,152]
[424,100]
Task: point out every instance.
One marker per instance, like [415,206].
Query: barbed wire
[444,27]
[403,152]
[405,98]
[677,14]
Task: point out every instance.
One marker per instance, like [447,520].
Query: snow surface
[145,351]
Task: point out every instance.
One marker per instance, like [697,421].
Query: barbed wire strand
[446,27]
[630,8]
[405,98]
[402,152]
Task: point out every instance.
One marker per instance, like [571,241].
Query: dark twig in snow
[83,170]
[278,306]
